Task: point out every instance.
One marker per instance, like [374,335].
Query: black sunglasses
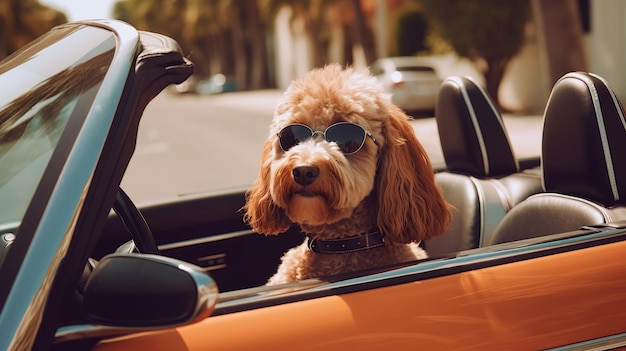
[349,137]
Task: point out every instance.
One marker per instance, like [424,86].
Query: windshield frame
[31,264]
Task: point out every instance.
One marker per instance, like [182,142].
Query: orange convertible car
[533,258]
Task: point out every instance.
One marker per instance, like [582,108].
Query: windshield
[42,85]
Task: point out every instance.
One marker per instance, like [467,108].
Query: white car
[413,82]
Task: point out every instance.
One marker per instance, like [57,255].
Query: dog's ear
[411,206]
[260,211]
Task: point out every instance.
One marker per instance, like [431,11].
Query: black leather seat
[483,180]
[583,163]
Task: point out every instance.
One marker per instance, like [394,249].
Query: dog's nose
[305,175]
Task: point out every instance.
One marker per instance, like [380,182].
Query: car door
[542,293]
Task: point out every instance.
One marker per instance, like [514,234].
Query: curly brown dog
[343,162]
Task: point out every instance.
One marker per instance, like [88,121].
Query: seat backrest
[583,163]
[482,180]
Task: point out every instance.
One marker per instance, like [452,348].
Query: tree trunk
[362,35]
[257,61]
[560,32]
[493,77]
[239,48]
[348,44]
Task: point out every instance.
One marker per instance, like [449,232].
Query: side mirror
[147,291]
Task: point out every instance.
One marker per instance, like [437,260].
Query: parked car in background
[412,81]
[72,280]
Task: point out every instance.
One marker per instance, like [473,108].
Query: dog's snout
[305,175]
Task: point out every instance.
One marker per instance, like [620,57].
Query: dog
[343,162]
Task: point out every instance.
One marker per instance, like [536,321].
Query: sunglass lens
[349,137]
[292,135]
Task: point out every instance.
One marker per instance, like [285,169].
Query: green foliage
[488,32]
[163,16]
[411,31]
[487,29]
[219,36]
[21,21]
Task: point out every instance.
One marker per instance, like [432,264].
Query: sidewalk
[524,133]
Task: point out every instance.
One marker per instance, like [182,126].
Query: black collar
[349,244]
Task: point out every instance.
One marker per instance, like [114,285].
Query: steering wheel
[135,223]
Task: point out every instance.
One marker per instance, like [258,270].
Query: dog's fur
[389,185]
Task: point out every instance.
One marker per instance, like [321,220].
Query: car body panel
[491,308]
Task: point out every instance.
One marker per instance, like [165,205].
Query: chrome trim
[205,240]
[611,342]
[212,262]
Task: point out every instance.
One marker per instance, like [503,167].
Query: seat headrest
[473,138]
[584,140]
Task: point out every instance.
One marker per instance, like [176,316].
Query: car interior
[493,193]
[584,179]
[483,179]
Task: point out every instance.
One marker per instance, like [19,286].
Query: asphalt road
[189,144]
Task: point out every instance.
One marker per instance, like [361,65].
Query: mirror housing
[147,291]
